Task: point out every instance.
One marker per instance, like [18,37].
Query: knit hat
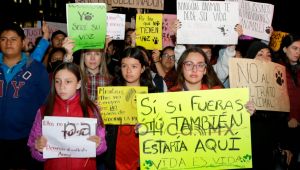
[254,48]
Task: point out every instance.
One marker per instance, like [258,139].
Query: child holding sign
[67,98]
[123,142]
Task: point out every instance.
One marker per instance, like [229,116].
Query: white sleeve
[178,50]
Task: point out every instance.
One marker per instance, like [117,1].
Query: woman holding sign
[68,99]
[122,141]
[268,128]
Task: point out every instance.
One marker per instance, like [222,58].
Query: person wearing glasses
[165,65]
[194,72]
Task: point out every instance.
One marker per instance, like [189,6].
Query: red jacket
[68,108]
[294,95]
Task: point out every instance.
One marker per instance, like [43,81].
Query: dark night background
[22,11]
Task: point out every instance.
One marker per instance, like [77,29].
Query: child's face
[92,60]
[194,68]
[131,71]
[66,84]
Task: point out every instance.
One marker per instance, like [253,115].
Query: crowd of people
[50,80]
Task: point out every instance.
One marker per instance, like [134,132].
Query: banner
[206,129]
[266,80]
[144,4]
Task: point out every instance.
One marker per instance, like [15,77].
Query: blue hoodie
[21,96]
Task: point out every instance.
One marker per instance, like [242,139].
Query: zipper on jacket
[67,107]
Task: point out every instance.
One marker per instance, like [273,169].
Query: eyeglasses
[170,57]
[188,66]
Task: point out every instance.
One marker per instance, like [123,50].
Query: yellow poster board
[275,40]
[118,104]
[206,129]
[149,31]
[266,80]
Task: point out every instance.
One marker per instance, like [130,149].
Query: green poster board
[86,24]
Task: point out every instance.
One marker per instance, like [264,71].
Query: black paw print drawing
[223,29]
[88,16]
[279,79]
[155,40]
[156,23]
[268,30]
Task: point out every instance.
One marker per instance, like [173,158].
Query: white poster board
[67,137]
[256,18]
[207,22]
[115,27]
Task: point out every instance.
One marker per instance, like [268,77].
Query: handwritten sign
[116,26]
[149,31]
[146,4]
[118,104]
[266,80]
[67,137]
[54,26]
[86,24]
[207,129]
[107,2]
[276,39]
[256,18]
[168,21]
[207,22]
[32,33]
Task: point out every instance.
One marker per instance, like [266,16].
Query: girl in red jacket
[67,99]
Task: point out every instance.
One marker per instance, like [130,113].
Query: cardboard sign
[168,21]
[266,80]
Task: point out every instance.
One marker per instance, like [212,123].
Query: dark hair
[255,47]
[55,33]
[12,27]
[52,51]
[167,48]
[210,78]
[285,43]
[146,78]
[85,103]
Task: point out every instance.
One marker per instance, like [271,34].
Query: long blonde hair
[103,70]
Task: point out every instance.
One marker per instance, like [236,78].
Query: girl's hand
[175,26]
[136,128]
[45,30]
[155,56]
[239,29]
[95,139]
[289,156]
[250,107]
[68,45]
[40,143]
